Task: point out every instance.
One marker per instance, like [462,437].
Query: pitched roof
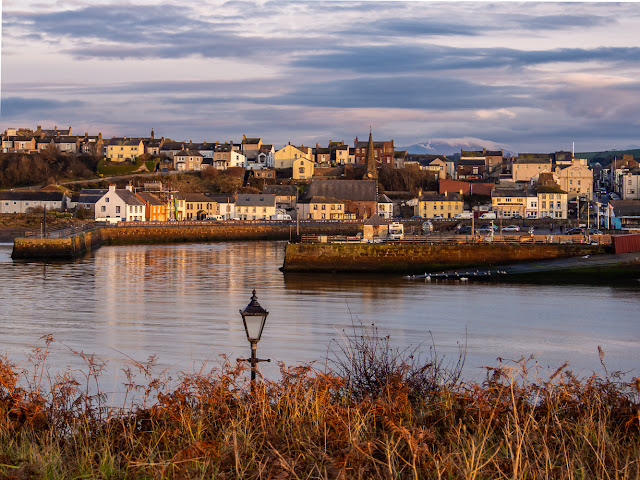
[150,198]
[382,198]
[375,220]
[626,208]
[91,195]
[357,190]
[321,200]
[129,197]
[31,196]
[280,189]
[188,153]
[256,200]
[221,198]
[437,197]
[195,197]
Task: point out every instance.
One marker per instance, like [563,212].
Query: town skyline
[526,77]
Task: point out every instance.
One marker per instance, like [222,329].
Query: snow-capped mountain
[450,146]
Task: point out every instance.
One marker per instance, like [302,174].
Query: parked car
[595,231]
[416,217]
[511,228]
[486,228]
[465,230]
[576,231]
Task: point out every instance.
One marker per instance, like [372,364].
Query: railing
[60,233]
[442,239]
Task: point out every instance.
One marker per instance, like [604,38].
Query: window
[301,169]
[323,216]
[544,204]
[315,207]
[333,207]
[559,205]
[103,208]
[324,207]
[106,200]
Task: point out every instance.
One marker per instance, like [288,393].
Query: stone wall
[210,233]
[412,259]
[56,248]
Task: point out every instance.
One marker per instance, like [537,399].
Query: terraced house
[435,205]
[121,149]
[255,206]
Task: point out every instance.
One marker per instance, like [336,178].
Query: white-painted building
[119,205]
[25,201]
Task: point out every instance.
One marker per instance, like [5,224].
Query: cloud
[409,92]
[17,106]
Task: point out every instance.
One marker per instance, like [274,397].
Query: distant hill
[450,147]
[605,158]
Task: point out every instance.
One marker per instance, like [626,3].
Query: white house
[226,205]
[385,206]
[23,201]
[119,205]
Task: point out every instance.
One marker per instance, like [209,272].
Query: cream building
[509,202]
[320,208]
[433,204]
[552,203]
[121,149]
[576,180]
[630,183]
[255,206]
[525,169]
[303,169]
[285,157]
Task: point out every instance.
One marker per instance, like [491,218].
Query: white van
[213,217]
[488,216]
[464,216]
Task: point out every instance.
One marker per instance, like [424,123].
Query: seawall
[420,258]
[56,248]
[79,244]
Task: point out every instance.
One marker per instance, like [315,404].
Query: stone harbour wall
[420,258]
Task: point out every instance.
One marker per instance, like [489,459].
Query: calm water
[181,302]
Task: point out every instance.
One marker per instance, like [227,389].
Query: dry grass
[312,424]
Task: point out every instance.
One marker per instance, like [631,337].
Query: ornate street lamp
[254,318]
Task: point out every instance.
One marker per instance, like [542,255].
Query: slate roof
[289,190]
[221,198]
[150,198]
[196,197]
[375,220]
[129,197]
[256,200]
[508,192]
[187,153]
[321,200]
[469,162]
[355,190]
[31,196]
[382,198]
[91,195]
[436,197]
[626,208]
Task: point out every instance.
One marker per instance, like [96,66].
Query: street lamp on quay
[254,317]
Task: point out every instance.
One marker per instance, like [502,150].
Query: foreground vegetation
[372,413]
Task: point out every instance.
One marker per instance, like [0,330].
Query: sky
[526,77]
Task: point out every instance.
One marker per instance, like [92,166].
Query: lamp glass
[253,325]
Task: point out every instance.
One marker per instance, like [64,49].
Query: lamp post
[254,318]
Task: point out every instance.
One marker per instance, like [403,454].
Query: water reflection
[181,302]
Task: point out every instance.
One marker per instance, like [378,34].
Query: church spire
[372,170]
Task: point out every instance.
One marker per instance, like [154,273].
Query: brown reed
[412,419]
